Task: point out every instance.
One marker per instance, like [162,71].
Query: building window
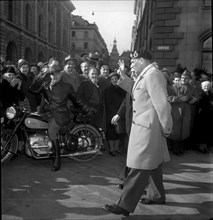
[11,52]
[10,10]
[86,34]
[73,33]
[85,45]
[28,55]
[27,17]
[40,24]
[73,45]
[49,6]
[207,54]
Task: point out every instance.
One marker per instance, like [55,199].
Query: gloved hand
[44,74]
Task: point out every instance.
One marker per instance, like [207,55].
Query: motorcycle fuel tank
[34,123]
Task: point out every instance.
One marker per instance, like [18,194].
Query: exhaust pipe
[82,153]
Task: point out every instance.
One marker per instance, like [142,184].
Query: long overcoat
[151,118]
[125,111]
[113,97]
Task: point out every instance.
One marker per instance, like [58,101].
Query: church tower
[114,56]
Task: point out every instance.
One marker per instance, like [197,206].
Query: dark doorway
[28,55]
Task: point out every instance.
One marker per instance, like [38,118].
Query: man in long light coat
[151,124]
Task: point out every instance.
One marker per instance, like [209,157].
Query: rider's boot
[56,156]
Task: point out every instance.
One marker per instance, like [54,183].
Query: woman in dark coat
[113,97]
[27,78]
[204,118]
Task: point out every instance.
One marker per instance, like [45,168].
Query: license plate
[2,120]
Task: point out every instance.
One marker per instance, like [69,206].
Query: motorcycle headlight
[10,112]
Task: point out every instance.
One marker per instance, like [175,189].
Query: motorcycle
[79,140]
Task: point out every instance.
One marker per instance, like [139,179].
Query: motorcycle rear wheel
[6,155]
[91,135]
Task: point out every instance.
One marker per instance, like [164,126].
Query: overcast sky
[114,19]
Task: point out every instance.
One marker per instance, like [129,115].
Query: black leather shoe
[116,210]
[56,164]
[145,201]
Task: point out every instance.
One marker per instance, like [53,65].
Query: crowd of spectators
[191,96]
[189,92]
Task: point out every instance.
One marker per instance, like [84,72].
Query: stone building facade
[175,31]
[35,30]
[85,38]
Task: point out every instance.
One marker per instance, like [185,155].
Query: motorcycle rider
[56,94]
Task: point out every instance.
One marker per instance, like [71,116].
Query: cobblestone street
[79,190]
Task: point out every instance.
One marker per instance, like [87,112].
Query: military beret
[141,54]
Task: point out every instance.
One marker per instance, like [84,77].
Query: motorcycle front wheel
[89,142]
[6,155]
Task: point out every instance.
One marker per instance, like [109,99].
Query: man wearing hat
[69,74]
[189,96]
[56,94]
[151,124]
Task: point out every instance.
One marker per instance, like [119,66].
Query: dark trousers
[124,173]
[53,129]
[135,185]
